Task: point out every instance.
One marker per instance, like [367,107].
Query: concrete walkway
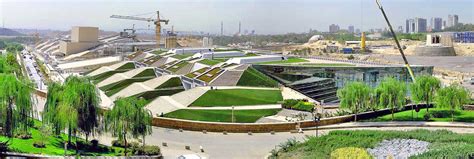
[249,107]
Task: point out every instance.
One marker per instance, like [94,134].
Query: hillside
[9,32]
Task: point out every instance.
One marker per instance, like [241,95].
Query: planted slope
[252,77]
[238,97]
[240,116]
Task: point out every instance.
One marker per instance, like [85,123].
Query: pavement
[248,107]
[258,145]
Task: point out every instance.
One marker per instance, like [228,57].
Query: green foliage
[238,97]
[128,119]
[252,77]
[452,97]
[444,144]
[350,152]
[182,56]
[391,94]
[354,96]
[172,82]
[416,36]
[437,115]
[298,105]
[146,150]
[240,116]
[423,90]
[15,105]
[14,48]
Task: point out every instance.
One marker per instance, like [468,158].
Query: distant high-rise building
[333,28]
[222,28]
[453,20]
[207,42]
[417,25]
[444,24]
[400,29]
[252,32]
[351,29]
[357,31]
[437,24]
[240,27]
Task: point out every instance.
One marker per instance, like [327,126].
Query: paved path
[249,107]
[242,145]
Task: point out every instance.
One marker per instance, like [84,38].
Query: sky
[263,16]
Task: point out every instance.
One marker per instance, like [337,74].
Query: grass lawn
[254,78]
[209,62]
[290,60]
[241,116]
[172,82]
[443,144]
[238,97]
[54,146]
[116,87]
[182,56]
[100,77]
[441,115]
[149,96]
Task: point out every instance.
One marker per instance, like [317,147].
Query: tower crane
[156,21]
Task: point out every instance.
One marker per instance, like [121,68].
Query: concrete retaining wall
[434,51]
[262,127]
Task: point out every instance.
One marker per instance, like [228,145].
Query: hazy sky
[264,16]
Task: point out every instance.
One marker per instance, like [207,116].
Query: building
[417,25]
[351,29]
[207,42]
[453,20]
[436,24]
[82,38]
[333,28]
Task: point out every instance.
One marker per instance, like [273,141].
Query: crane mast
[156,21]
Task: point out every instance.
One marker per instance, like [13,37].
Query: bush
[350,152]
[23,135]
[442,113]
[3,146]
[147,150]
[119,143]
[39,144]
[288,103]
[427,117]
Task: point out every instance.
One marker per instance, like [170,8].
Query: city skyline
[263,16]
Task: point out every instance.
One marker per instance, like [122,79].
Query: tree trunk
[125,141]
[392,113]
[143,140]
[452,115]
[355,117]
[77,146]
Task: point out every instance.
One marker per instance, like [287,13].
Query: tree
[15,105]
[128,119]
[391,94]
[423,90]
[354,96]
[452,97]
[50,114]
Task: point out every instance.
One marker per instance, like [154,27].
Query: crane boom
[132,18]
[156,21]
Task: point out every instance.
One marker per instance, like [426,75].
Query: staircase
[317,88]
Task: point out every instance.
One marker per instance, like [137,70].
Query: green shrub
[426,117]
[146,150]
[442,113]
[350,152]
[39,144]
[120,143]
[23,135]
[288,103]
[3,146]
[304,106]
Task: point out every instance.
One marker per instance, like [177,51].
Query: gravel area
[399,148]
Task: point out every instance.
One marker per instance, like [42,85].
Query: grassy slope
[238,97]
[460,115]
[182,56]
[54,146]
[209,62]
[442,142]
[241,116]
[254,78]
[116,87]
[290,60]
[172,82]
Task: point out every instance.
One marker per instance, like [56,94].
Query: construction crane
[396,40]
[156,21]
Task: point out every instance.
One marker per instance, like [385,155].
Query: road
[32,71]
[242,145]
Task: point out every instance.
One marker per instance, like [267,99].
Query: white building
[256,59]
[190,50]
[210,55]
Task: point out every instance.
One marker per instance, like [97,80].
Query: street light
[317,119]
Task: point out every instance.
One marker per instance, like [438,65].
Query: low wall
[262,127]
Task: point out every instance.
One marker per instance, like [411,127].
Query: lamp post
[317,119]
[232,114]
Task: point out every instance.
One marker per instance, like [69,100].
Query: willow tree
[423,89]
[452,97]
[391,94]
[354,96]
[50,111]
[143,118]
[128,119]
[15,105]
